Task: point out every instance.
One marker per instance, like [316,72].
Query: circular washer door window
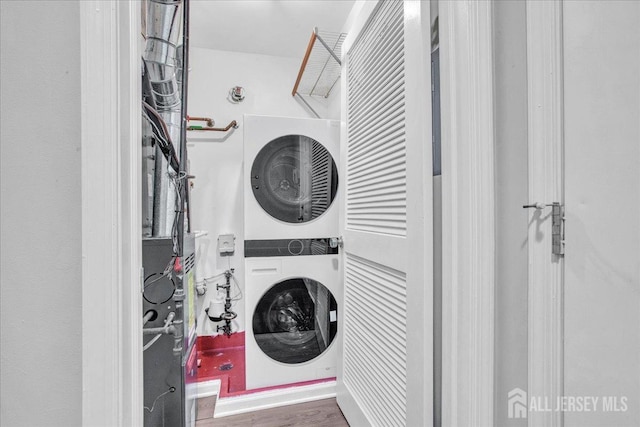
[294,178]
[295,320]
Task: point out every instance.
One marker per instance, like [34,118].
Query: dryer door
[294,178]
[295,320]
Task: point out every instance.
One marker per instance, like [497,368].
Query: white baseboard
[274,398]
[208,388]
[350,407]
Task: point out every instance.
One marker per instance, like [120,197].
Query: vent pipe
[162,57]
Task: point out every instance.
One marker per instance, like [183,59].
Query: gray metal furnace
[170,366]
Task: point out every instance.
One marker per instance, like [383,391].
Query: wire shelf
[321,65]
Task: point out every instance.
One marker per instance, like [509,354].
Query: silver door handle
[336,242]
[537,205]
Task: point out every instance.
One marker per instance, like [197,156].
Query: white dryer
[290,177]
[292,305]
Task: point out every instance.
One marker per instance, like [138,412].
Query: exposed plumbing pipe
[209,120]
[228,315]
[148,316]
[168,328]
[168,323]
[233,124]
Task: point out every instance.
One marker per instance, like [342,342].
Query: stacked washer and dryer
[293,285]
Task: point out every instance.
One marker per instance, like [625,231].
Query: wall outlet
[226,243]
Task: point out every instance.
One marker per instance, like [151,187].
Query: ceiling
[269,27]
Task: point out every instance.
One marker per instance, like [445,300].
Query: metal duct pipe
[164,19]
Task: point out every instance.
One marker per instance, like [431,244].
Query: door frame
[469,193]
[111,213]
[546,185]
[468,217]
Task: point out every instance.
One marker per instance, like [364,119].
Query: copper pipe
[202,119]
[304,63]
[233,124]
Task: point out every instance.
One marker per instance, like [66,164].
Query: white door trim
[545,123]
[468,200]
[419,214]
[111,212]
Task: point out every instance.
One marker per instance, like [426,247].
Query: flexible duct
[164,19]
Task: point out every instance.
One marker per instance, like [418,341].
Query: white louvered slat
[367,38]
[376,80]
[393,177]
[375,350]
[366,192]
[376,142]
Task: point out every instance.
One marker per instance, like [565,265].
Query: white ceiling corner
[268,27]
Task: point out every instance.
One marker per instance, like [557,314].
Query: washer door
[294,178]
[295,320]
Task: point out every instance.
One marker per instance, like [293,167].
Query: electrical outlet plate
[226,243]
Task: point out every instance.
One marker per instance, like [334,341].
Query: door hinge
[557,225]
[557,228]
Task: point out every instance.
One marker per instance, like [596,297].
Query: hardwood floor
[319,413]
[206,407]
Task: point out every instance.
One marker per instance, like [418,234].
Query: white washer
[292,332]
[290,177]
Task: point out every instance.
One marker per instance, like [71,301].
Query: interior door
[602,194]
[385,375]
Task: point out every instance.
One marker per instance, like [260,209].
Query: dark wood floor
[320,413]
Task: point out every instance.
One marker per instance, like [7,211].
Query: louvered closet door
[385,377]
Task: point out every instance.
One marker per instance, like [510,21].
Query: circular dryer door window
[295,320]
[294,178]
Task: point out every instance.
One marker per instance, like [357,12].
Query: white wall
[601,47]
[41,294]
[216,158]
